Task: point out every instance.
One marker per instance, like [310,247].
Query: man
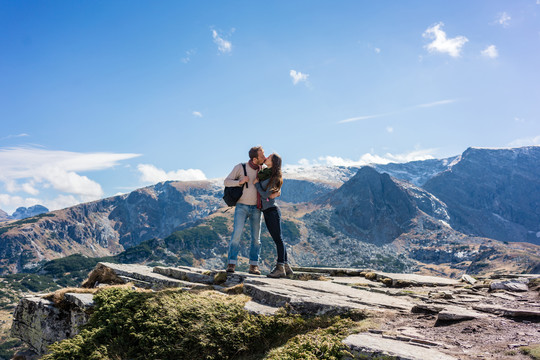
[247,207]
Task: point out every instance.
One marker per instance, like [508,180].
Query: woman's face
[268,161]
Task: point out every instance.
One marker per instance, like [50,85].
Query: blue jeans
[241,214]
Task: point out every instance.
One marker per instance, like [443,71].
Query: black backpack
[232,194]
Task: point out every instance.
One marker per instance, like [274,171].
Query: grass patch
[172,324]
[532,350]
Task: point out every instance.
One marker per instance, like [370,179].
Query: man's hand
[275,194]
[244,180]
[256,180]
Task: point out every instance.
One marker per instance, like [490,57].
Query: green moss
[316,344]
[532,350]
[179,325]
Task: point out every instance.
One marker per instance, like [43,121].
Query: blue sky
[103,97]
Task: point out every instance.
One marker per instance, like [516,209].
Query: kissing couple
[262,179]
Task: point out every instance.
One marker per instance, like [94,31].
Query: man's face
[260,157]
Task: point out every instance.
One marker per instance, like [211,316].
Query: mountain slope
[493,193]
[107,226]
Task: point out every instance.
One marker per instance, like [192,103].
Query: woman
[268,181]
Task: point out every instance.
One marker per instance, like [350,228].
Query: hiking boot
[278,272]
[254,269]
[230,268]
[288,270]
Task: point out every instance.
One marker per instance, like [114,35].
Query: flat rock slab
[319,297]
[84,301]
[419,280]
[509,312]
[457,313]
[369,345]
[145,273]
[355,280]
[260,309]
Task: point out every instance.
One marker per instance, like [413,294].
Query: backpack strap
[245,173]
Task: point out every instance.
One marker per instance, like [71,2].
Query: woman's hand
[256,180]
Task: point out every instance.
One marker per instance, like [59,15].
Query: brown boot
[230,268]
[278,272]
[254,269]
[288,270]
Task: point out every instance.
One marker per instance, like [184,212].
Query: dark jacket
[267,203]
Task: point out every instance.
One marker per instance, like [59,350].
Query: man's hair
[254,152]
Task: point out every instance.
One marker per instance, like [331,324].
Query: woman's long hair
[276,179]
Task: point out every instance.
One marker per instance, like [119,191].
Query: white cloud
[9,202]
[151,174]
[187,58]
[436,103]
[377,50]
[528,141]
[14,136]
[197,114]
[224,46]
[490,52]
[26,169]
[365,159]
[390,129]
[366,117]
[441,43]
[298,76]
[503,19]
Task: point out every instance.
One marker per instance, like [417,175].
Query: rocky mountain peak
[24,212]
[373,206]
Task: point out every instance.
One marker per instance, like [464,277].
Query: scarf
[264,174]
[257,168]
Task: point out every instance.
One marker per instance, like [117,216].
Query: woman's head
[276,179]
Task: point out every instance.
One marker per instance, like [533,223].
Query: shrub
[172,324]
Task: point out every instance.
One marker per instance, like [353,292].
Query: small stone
[468,279]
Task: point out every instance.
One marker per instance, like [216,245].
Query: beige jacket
[249,195]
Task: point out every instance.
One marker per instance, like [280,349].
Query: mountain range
[23,213]
[477,213]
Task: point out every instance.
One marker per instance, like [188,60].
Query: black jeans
[272,218]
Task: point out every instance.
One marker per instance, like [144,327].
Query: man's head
[256,154]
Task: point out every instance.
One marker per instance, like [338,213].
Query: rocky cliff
[352,313]
[493,193]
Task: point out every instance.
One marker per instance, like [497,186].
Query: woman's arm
[264,193]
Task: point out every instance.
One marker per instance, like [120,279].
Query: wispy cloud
[14,136]
[224,46]
[426,105]
[436,103]
[527,141]
[365,117]
[377,50]
[490,52]
[441,43]
[297,76]
[151,174]
[188,56]
[389,129]
[504,19]
[197,114]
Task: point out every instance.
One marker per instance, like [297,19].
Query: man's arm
[235,177]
